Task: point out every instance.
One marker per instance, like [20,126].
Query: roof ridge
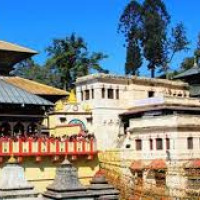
[38,83]
[37,88]
[19,48]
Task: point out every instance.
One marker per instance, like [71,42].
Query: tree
[70,58]
[133,59]
[155,20]
[30,70]
[197,50]
[147,23]
[177,42]
[189,62]
[130,26]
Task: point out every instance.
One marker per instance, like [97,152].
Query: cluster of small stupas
[13,185]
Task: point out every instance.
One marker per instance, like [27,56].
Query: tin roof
[34,87]
[10,94]
[192,71]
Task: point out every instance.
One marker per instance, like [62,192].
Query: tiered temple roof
[10,54]
[11,94]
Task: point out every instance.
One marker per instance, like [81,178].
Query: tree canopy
[146,30]
[68,58]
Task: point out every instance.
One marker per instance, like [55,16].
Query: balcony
[47,146]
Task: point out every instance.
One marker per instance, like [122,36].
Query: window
[92,93]
[62,119]
[117,93]
[151,144]
[138,144]
[81,95]
[167,143]
[159,144]
[110,94]
[87,94]
[190,142]
[151,94]
[103,93]
[128,146]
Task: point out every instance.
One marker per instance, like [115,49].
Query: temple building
[27,129]
[106,96]
[153,123]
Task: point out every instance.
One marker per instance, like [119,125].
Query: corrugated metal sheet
[194,70]
[11,94]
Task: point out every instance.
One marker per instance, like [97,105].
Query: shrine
[25,122]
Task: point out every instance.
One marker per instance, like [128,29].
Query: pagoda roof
[192,71]
[7,46]
[33,86]
[10,94]
[10,54]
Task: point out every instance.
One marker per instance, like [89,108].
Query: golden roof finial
[72,98]
[12,160]
[59,105]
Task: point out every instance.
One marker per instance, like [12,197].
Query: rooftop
[7,46]
[11,94]
[192,71]
[33,86]
[166,102]
[131,80]
[10,54]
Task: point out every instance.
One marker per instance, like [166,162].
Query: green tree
[69,57]
[155,20]
[147,23]
[197,50]
[30,70]
[189,62]
[130,25]
[177,42]
[133,58]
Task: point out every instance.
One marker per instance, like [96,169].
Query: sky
[34,23]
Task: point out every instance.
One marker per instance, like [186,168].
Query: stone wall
[116,164]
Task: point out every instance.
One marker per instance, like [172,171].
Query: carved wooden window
[138,144]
